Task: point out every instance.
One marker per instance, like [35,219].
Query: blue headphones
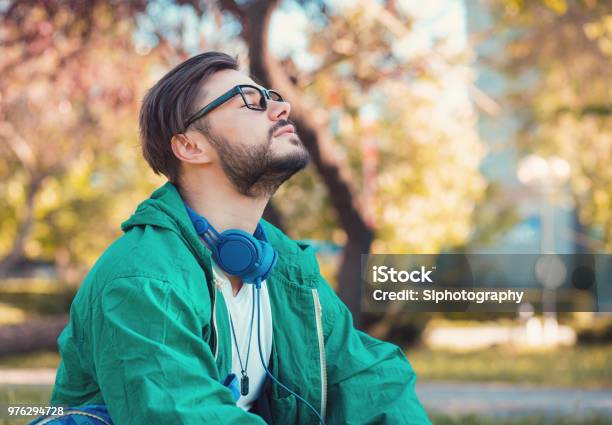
[250,257]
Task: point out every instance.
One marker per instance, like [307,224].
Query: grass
[21,299]
[40,395]
[34,395]
[34,360]
[580,366]
[523,420]
[25,394]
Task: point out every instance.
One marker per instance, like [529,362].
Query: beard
[254,170]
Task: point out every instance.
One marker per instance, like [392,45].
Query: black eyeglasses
[255,98]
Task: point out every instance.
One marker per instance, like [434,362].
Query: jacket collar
[165,209]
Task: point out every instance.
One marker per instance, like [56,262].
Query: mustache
[278,125]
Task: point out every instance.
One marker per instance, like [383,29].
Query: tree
[560,51]
[68,99]
[419,205]
[416,166]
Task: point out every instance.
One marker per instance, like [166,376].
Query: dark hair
[170,102]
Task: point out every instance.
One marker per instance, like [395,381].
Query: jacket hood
[165,209]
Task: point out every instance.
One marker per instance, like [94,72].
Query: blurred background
[442,126]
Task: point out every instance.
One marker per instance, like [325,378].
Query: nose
[278,109]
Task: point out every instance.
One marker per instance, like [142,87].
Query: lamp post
[546,175]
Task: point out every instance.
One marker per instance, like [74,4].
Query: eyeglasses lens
[255,98]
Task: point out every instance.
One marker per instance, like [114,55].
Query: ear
[189,149]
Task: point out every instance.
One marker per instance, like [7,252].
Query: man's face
[254,157]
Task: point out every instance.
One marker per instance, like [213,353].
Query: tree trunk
[312,127]
[17,251]
[33,335]
[272,215]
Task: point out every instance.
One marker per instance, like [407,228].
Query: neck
[221,205]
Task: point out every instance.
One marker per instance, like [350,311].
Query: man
[162,334]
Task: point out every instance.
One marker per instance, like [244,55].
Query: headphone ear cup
[268,259]
[250,257]
[264,266]
[238,252]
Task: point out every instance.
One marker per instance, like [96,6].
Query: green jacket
[149,336]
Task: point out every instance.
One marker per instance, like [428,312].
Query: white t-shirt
[239,308]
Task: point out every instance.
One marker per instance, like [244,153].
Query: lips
[284,129]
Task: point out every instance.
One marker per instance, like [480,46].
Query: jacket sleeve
[150,361]
[369,381]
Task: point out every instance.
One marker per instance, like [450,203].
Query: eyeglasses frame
[230,94]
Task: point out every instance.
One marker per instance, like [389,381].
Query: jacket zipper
[318,317]
[72,412]
[215,321]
